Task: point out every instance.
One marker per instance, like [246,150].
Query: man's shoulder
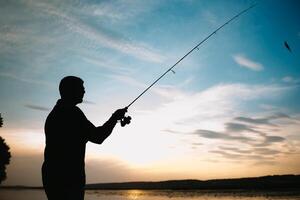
[78,111]
[61,110]
[66,116]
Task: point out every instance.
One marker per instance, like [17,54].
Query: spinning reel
[125,120]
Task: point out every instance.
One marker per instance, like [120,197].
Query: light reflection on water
[183,195]
[6,194]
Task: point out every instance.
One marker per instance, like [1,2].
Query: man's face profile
[80,93]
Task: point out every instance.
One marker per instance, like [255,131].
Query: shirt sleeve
[98,134]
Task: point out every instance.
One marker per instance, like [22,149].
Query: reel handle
[125,120]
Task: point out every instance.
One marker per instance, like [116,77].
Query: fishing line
[126,120]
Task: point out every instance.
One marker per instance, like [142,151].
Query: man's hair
[68,85]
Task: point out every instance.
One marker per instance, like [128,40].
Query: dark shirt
[67,131]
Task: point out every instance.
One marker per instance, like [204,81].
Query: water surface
[24,194]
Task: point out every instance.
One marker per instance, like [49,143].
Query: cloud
[262,140]
[257,144]
[266,151]
[26,80]
[253,120]
[88,102]
[121,11]
[246,62]
[193,117]
[197,143]
[166,91]
[208,117]
[290,79]
[68,31]
[272,139]
[217,135]
[263,121]
[259,155]
[279,116]
[108,64]
[206,113]
[237,127]
[236,156]
[216,103]
[251,150]
[35,107]
[98,35]
[234,149]
[210,17]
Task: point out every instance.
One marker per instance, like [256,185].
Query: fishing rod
[126,119]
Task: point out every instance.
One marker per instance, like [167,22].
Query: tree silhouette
[4,155]
[1,121]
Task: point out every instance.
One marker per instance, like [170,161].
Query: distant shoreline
[264,183]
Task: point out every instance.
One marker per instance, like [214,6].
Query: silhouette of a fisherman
[67,131]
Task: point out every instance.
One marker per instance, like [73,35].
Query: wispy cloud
[27,80]
[202,117]
[262,140]
[290,79]
[261,147]
[218,135]
[243,61]
[98,35]
[235,149]
[121,11]
[107,64]
[240,157]
[218,101]
[52,36]
[253,120]
[262,121]
[272,139]
[165,91]
[238,127]
[210,17]
[210,115]
[36,107]
[211,109]
[261,155]
[88,102]
[266,151]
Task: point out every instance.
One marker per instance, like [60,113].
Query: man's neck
[67,102]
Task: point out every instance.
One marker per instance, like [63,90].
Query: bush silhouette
[1,121]
[4,155]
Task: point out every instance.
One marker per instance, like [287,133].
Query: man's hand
[119,114]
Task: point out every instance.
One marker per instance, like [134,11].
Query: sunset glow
[230,110]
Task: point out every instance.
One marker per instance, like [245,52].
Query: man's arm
[99,134]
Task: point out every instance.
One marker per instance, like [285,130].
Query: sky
[231,109]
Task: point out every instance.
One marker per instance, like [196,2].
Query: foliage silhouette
[1,121]
[275,182]
[4,155]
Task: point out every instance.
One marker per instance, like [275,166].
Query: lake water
[10,194]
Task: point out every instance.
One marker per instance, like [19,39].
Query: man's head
[71,89]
